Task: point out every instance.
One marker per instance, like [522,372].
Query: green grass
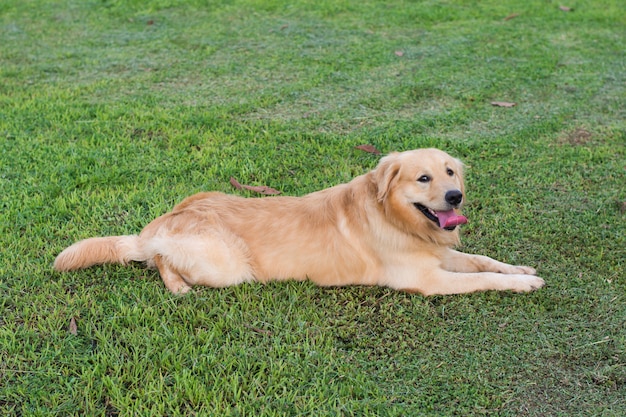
[113,111]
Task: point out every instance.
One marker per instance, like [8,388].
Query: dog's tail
[100,250]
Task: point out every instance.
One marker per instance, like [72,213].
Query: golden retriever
[394,226]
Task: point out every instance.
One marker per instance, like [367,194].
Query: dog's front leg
[428,277]
[440,282]
[455,261]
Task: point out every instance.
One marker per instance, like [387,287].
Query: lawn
[113,111]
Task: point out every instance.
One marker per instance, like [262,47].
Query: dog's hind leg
[172,279]
[217,260]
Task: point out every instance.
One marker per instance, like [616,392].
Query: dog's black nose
[454,197]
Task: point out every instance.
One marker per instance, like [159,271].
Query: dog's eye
[424,178]
[450,172]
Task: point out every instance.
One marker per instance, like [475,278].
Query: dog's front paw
[526,270]
[527,283]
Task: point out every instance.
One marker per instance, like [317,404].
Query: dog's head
[422,192]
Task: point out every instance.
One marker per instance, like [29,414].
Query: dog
[394,226]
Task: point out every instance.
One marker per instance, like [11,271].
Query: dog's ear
[387,170]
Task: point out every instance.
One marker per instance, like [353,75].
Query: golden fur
[366,232]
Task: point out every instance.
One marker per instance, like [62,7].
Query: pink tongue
[450,219]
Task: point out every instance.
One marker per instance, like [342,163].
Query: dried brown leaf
[368,149]
[503,104]
[511,16]
[261,189]
[73,328]
[235,183]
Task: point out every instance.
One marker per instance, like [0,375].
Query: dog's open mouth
[447,220]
